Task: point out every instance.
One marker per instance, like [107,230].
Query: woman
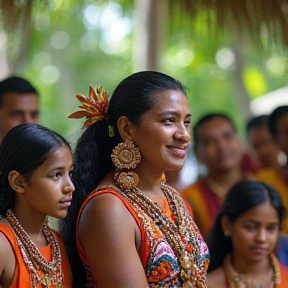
[35,169]
[132,229]
[244,237]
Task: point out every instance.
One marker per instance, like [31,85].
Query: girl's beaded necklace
[236,281]
[51,271]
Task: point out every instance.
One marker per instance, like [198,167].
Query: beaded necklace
[52,272]
[235,281]
[181,236]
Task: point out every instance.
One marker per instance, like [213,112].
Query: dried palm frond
[244,17]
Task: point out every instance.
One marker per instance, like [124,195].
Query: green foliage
[89,57]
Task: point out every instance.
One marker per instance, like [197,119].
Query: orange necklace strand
[182,237]
[34,259]
[235,281]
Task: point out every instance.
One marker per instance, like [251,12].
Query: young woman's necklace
[215,188]
[182,237]
[236,281]
[47,273]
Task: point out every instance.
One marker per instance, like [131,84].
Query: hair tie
[94,106]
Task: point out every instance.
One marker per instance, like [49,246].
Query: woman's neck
[32,222]
[228,179]
[150,180]
[255,269]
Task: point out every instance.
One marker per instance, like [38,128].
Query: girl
[244,237]
[133,230]
[35,167]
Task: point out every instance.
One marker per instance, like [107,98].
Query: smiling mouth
[179,152]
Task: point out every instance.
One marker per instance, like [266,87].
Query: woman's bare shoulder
[216,279]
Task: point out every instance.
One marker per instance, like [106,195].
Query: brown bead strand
[34,259]
[193,270]
[235,280]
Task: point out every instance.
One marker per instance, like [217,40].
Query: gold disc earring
[126,156]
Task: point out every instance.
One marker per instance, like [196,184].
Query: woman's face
[165,132]
[254,233]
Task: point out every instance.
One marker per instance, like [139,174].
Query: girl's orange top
[158,258]
[284,277]
[22,277]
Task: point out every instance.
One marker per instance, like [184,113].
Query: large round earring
[126,156]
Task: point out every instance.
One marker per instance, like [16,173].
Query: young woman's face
[165,132]
[254,233]
[49,190]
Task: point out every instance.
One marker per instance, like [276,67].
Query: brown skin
[264,146]
[254,235]
[108,233]
[52,179]
[282,133]
[219,149]
[17,109]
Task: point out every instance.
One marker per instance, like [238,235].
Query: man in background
[19,104]
[216,146]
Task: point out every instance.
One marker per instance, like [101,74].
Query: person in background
[243,239]
[278,178]
[216,146]
[18,104]
[131,229]
[262,143]
[35,181]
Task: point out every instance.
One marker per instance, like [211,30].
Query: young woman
[133,230]
[243,239]
[35,170]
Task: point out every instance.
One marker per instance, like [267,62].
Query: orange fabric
[205,205]
[284,277]
[22,277]
[271,177]
[143,249]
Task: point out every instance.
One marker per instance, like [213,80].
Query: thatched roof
[248,17]
[251,18]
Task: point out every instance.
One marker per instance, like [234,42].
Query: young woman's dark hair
[204,119]
[134,96]
[23,149]
[242,197]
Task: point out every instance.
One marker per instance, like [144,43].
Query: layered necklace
[48,274]
[236,281]
[181,236]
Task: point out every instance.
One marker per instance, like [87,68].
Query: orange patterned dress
[157,256]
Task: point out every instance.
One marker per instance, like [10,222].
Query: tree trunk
[150,18]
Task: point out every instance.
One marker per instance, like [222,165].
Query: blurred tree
[79,43]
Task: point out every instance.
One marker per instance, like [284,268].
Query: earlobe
[226,226]
[125,128]
[17,181]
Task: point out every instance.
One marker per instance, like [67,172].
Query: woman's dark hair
[23,149]
[134,96]
[242,197]
[274,118]
[204,119]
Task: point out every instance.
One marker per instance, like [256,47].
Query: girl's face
[165,132]
[254,233]
[49,190]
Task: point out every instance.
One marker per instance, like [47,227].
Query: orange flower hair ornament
[94,106]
